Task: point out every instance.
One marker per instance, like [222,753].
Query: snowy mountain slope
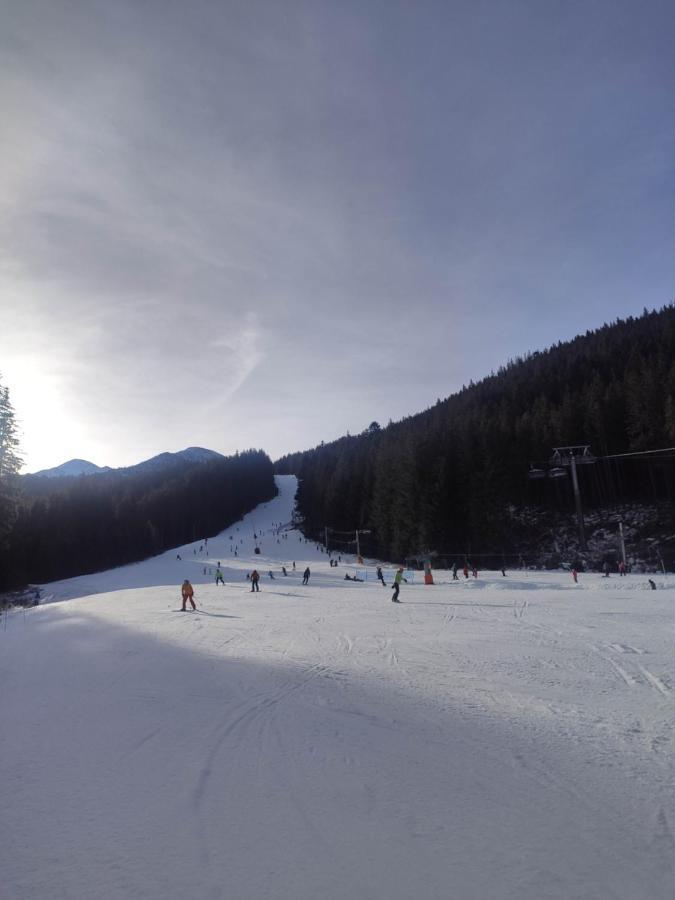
[491,738]
[72,467]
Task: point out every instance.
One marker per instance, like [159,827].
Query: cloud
[216,217]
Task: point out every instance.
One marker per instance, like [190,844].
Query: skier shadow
[457,603]
[202,612]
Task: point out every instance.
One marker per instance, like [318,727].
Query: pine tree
[10,463]
[10,460]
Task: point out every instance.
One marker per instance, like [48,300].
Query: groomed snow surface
[491,738]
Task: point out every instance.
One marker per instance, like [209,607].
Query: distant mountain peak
[189,455]
[198,453]
[72,467]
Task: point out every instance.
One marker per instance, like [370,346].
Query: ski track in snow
[501,738]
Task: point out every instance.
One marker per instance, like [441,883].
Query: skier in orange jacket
[188,593]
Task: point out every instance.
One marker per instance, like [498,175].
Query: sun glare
[48,436]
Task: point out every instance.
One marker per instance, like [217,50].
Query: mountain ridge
[77,467]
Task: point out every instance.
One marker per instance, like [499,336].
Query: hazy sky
[236,224]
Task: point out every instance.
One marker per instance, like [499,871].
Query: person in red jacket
[188,593]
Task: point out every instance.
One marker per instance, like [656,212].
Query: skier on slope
[255,578]
[188,593]
[380,575]
[219,577]
[398,578]
[305,576]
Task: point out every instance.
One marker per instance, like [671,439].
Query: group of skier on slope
[188,592]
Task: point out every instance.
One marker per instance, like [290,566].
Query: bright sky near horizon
[237,224]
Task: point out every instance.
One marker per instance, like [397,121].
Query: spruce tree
[10,463]
[10,460]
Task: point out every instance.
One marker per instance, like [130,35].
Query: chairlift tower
[358,548]
[358,531]
[562,459]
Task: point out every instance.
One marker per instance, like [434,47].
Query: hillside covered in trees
[76,525]
[454,478]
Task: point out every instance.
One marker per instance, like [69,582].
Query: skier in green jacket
[398,578]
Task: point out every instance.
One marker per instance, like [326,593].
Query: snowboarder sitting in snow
[187,592]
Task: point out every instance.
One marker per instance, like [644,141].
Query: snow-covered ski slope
[492,738]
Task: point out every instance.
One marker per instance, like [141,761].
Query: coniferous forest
[453,479]
[76,525]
